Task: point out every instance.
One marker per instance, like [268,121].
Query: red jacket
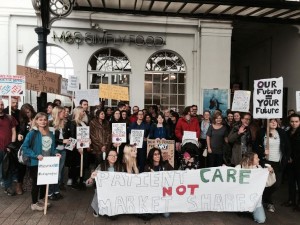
[184,125]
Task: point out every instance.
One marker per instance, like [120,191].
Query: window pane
[181,78]
[165,99]
[165,88]
[148,87]
[156,99]
[181,100]
[148,77]
[173,99]
[181,88]
[165,78]
[173,78]
[148,99]
[173,88]
[156,88]
[156,78]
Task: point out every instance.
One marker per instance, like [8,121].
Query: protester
[130,159]
[204,125]
[160,130]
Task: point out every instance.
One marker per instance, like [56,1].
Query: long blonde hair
[130,162]
[57,122]
[248,160]
[34,124]
[76,115]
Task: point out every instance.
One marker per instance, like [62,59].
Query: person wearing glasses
[240,137]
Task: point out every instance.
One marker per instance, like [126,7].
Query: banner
[215,99]
[40,80]
[167,149]
[118,132]
[109,91]
[83,137]
[12,85]
[267,98]
[48,170]
[73,84]
[297,101]
[137,138]
[212,189]
[241,101]
[91,95]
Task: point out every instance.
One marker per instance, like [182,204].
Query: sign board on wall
[12,85]
[109,91]
[40,80]
[267,98]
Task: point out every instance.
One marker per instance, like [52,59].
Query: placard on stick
[83,137]
[166,146]
[48,169]
[118,132]
[12,85]
[241,101]
[137,138]
[109,91]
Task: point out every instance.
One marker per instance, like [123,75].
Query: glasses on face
[156,154]
[113,156]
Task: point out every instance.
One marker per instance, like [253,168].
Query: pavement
[75,208]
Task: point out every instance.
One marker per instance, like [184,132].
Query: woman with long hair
[130,159]
[160,130]
[39,143]
[204,125]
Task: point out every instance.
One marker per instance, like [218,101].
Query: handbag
[24,159]
[271,179]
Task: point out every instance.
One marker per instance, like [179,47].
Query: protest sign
[181,191]
[298,101]
[91,95]
[118,132]
[40,80]
[72,144]
[73,84]
[215,99]
[109,91]
[137,138]
[83,137]
[64,86]
[12,85]
[267,98]
[166,146]
[189,135]
[241,101]
[48,170]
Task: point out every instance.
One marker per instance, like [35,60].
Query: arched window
[165,76]
[109,66]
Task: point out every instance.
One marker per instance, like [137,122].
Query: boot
[19,189]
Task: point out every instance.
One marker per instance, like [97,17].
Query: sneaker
[42,202]
[9,192]
[271,208]
[37,206]
[52,197]
[70,182]
[95,214]
[58,196]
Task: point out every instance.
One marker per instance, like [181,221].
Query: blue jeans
[259,215]
[54,188]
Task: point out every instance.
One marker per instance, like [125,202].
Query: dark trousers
[21,172]
[202,159]
[141,157]
[215,160]
[37,191]
[294,179]
[269,191]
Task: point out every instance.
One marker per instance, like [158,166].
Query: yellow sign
[109,91]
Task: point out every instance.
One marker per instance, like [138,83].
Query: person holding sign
[100,136]
[39,143]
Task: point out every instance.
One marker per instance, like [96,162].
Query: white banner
[137,138]
[91,95]
[118,132]
[73,84]
[267,98]
[297,101]
[13,85]
[48,170]
[211,189]
[83,137]
[241,101]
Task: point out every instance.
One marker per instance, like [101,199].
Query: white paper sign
[48,170]
[83,137]
[241,101]
[137,138]
[91,95]
[73,84]
[118,132]
[189,135]
[72,144]
[211,189]
[298,101]
[13,85]
[64,86]
[267,98]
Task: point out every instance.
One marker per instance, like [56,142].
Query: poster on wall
[267,98]
[298,101]
[241,101]
[215,99]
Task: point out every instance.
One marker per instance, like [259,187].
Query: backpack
[23,159]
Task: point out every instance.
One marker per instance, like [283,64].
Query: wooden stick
[268,137]
[9,104]
[73,96]
[46,199]
[81,164]
[118,149]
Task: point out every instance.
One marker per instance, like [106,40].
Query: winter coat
[100,135]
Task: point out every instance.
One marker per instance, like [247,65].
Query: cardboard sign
[221,189]
[73,84]
[267,98]
[12,85]
[40,80]
[118,132]
[137,138]
[109,91]
[91,95]
[241,101]
[48,170]
[298,101]
[64,86]
[167,149]
[83,137]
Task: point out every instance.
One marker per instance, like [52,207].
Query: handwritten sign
[267,98]
[118,132]
[189,135]
[40,80]
[64,86]
[73,84]
[210,189]
[109,91]
[48,169]
[298,101]
[83,137]
[137,138]
[91,95]
[167,149]
[72,144]
[12,85]
[241,101]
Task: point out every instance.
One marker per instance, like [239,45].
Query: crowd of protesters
[234,140]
